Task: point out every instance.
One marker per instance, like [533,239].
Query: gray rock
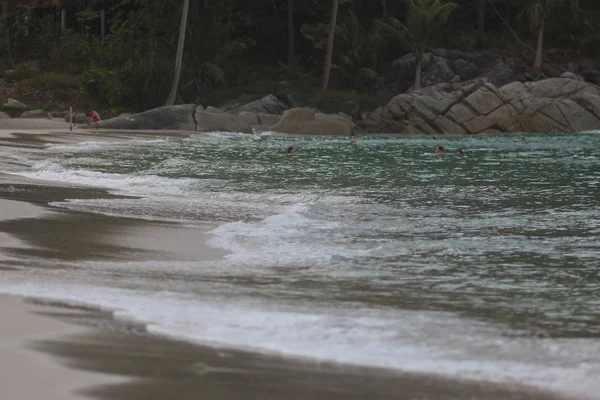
[34,114]
[4,115]
[13,103]
[268,104]
[214,110]
[251,118]
[268,119]
[552,105]
[571,75]
[180,117]
[221,122]
[59,114]
[306,121]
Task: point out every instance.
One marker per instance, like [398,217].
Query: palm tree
[291,46]
[423,22]
[481,24]
[329,51]
[179,57]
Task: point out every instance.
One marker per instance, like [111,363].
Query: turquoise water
[484,266]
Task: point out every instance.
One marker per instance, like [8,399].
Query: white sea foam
[423,342]
[104,145]
[125,184]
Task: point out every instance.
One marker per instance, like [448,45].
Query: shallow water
[483,266]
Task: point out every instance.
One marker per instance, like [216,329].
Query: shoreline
[119,360]
[160,366]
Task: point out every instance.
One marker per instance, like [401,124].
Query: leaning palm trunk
[179,57]
[291,46]
[329,52]
[537,64]
[418,68]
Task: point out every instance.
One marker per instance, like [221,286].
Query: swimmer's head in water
[290,150]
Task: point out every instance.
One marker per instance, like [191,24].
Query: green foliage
[360,50]
[19,74]
[53,80]
[423,24]
[234,46]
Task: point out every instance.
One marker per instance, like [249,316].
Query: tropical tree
[360,52]
[291,42]
[424,20]
[329,50]
[538,13]
[179,56]
[481,24]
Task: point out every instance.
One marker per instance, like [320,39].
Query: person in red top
[94,117]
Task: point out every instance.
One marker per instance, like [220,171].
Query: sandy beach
[30,374]
[54,352]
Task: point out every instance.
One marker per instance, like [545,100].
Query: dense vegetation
[244,46]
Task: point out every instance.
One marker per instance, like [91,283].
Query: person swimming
[352,140]
[460,152]
[440,151]
[290,150]
[522,138]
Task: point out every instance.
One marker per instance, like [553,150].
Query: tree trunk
[481,25]
[537,64]
[417,83]
[291,44]
[329,51]
[179,57]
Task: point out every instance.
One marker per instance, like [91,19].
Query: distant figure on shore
[290,150]
[523,139]
[352,140]
[440,151]
[94,118]
[460,152]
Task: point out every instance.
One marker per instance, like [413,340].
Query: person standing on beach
[94,118]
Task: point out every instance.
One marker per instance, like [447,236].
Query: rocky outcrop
[307,121]
[450,66]
[4,115]
[268,104]
[34,114]
[221,122]
[163,118]
[13,103]
[551,105]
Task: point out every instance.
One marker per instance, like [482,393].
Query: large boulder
[180,117]
[268,104]
[4,115]
[13,103]
[441,66]
[221,122]
[307,121]
[34,114]
[551,105]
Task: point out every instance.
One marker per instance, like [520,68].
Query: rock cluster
[550,105]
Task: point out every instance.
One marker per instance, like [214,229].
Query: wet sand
[30,374]
[152,367]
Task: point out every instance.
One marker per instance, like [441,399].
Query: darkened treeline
[240,43]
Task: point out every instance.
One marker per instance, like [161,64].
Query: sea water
[484,266]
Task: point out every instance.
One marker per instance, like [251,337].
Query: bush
[52,80]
